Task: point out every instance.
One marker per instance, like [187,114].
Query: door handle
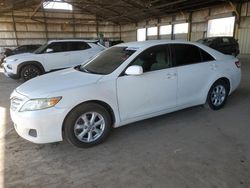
[213,66]
[170,75]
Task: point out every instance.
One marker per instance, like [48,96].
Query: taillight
[238,64]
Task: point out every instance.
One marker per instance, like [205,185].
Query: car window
[226,40]
[207,41]
[107,61]
[75,46]
[232,40]
[58,47]
[32,47]
[219,41]
[185,54]
[154,58]
[206,56]
[41,49]
[21,48]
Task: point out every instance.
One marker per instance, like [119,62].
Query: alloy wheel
[218,95]
[89,127]
[30,73]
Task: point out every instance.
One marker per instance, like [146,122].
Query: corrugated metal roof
[120,11]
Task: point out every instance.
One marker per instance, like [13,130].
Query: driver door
[151,92]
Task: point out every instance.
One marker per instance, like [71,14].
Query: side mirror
[134,70]
[49,50]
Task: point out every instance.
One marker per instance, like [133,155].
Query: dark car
[25,48]
[20,49]
[226,45]
[112,43]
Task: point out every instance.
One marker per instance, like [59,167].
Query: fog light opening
[33,133]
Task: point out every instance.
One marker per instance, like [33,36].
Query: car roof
[217,37]
[73,40]
[30,45]
[149,43]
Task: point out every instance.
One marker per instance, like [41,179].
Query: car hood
[43,86]
[18,56]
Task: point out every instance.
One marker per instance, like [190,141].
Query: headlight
[9,66]
[39,104]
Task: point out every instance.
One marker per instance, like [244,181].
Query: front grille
[15,102]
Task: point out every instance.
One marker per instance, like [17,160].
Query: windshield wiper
[78,67]
[85,70]
[82,69]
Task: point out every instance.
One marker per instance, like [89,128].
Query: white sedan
[126,83]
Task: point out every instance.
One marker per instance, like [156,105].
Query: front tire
[217,95]
[87,125]
[30,71]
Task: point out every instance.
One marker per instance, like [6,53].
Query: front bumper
[41,126]
[10,74]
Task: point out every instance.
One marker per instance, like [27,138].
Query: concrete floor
[195,147]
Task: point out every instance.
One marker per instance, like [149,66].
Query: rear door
[79,52]
[194,68]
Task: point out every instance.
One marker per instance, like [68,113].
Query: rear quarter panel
[223,69]
[228,69]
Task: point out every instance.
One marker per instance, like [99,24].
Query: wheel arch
[227,82]
[36,63]
[223,78]
[101,103]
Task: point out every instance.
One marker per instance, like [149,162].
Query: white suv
[54,55]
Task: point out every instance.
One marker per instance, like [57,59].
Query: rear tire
[30,71]
[217,95]
[87,125]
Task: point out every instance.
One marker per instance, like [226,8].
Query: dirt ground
[195,147]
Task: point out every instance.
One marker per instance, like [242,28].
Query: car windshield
[108,60]
[40,49]
[206,41]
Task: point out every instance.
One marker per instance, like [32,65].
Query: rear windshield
[206,42]
[108,60]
